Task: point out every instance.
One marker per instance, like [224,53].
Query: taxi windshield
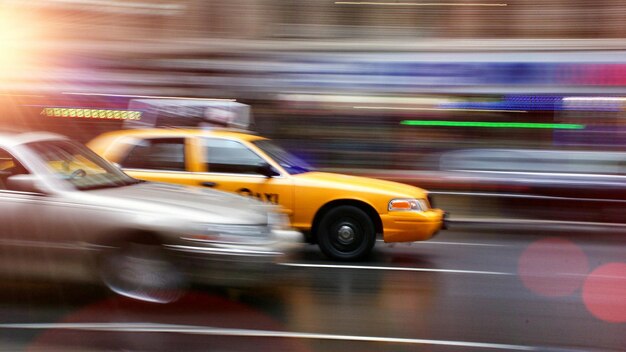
[80,166]
[291,163]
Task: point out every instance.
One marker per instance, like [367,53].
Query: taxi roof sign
[174,112]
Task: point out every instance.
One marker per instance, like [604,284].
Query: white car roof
[9,139]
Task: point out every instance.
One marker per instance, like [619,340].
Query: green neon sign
[554,126]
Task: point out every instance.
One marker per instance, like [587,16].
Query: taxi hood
[358,184]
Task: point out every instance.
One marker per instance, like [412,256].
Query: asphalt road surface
[468,289]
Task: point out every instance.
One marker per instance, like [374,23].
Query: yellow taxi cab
[343,214]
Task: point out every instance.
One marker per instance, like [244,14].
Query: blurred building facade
[327,63]
[263,19]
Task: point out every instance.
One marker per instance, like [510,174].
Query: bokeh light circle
[553,267]
[604,292]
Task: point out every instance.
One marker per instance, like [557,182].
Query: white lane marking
[465,244]
[395,268]
[207,330]
[445,243]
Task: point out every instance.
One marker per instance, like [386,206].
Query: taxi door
[231,165]
[160,159]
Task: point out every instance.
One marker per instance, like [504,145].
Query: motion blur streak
[415,3]
[598,99]
[144,96]
[492,124]
[433,109]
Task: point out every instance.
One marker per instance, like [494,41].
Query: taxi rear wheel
[346,233]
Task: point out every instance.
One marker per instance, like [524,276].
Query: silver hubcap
[346,234]
[142,276]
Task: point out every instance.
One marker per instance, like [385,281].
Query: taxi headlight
[278,221]
[407,205]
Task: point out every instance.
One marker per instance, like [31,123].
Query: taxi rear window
[156,154]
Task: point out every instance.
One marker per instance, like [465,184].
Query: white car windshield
[78,165]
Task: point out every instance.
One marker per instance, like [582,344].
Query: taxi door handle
[209,184]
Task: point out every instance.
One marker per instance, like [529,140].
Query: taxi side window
[9,166]
[226,156]
[156,154]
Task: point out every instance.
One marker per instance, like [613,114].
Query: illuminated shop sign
[91,113]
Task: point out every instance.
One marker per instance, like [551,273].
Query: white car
[67,213]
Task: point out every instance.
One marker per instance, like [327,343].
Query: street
[162,163]
[467,289]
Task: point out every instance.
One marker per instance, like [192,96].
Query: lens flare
[604,292]
[17,33]
[553,267]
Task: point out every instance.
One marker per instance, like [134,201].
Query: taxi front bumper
[409,226]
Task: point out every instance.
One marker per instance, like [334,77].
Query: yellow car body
[308,198]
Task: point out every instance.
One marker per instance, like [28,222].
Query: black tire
[143,272]
[346,233]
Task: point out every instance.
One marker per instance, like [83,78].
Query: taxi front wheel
[346,233]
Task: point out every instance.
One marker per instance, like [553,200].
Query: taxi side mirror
[266,170]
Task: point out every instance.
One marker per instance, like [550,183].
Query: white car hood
[194,203]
